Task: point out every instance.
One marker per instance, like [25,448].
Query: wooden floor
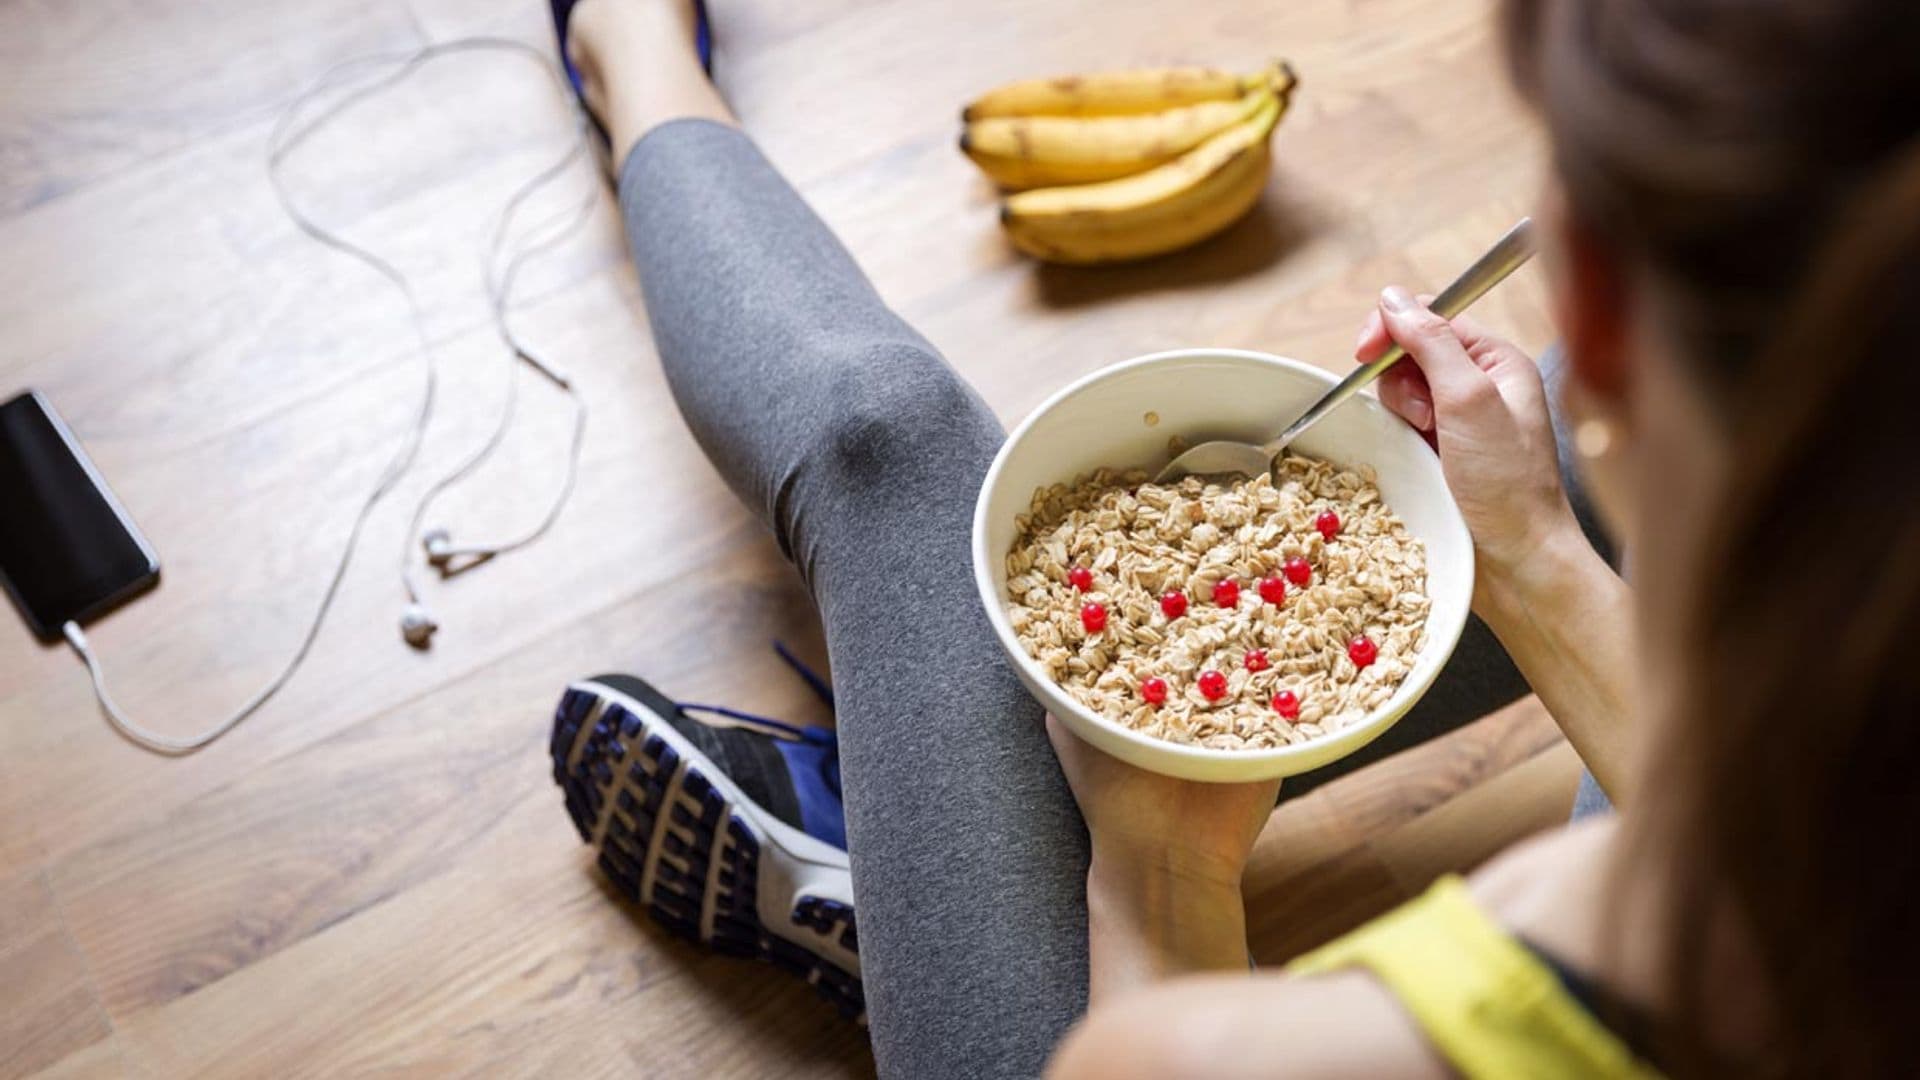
[375,872]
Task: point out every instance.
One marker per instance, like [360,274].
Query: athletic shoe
[726,827]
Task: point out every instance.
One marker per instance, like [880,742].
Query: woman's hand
[1163,889]
[1560,611]
[1142,821]
[1481,402]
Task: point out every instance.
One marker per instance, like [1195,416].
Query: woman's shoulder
[1551,889]
[1528,876]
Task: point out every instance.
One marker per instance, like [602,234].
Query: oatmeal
[1233,615]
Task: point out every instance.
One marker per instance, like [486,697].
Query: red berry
[1081,578]
[1094,618]
[1297,570]
[1273,590]
[1287,704]
[1154,690]
[1174,604]
[1328,523]
[1255,660]
[1362,651]
[1213,685]
[1227,593]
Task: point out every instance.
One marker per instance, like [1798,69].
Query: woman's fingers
[1404,390]
[1455,382]
[1373,339]
[1512,370]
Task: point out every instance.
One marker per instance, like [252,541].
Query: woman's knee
[899,404]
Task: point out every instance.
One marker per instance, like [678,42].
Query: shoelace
[780,728]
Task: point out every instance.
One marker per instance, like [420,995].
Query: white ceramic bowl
[1203,394]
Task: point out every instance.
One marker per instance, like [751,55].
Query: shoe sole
[676,837]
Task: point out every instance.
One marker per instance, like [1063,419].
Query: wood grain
[374,873]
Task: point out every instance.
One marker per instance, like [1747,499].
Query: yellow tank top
[1487,1003]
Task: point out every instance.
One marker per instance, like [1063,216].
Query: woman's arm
[1342,1024]
[1556,606]
[1564,617]
[1163,886]
[1150,923]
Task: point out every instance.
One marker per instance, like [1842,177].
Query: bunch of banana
[1128,164]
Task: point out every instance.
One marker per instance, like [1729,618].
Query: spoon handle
[1503,258]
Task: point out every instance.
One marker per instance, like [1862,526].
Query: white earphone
[417,624]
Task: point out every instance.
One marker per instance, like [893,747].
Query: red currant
[1081,578]
[1094,618]
[1328,523]
[1255,660]
[1213,685]
[1154,691]
[1362,651]
[1297,570]
[1287,704]
[1273,590]
[1174,604]
[1227,593]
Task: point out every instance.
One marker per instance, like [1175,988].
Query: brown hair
[1758,163]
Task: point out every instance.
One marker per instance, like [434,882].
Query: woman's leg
[863,450]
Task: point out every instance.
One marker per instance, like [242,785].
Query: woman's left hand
[1163,888]
[1143,821]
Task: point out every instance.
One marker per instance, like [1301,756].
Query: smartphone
[68,550]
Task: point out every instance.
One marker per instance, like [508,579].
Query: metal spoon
[1226,457]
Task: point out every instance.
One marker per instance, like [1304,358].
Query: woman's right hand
[1480,401]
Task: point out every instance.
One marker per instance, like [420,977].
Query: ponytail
[1758,165]
[1790,770]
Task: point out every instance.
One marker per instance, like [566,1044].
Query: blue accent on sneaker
[686,836]
[814,765]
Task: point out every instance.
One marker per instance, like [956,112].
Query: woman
[1736,226]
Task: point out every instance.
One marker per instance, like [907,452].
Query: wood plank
[89,90]
[1530,797]
[1393,792]
[520,962]
[48,1007]
[100,1061]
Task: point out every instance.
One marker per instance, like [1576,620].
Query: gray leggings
[862,450]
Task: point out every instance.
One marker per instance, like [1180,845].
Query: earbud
[417,625]
[439,545]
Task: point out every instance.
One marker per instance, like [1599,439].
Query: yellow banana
[1111,93]
[1020,152]
[1168,207]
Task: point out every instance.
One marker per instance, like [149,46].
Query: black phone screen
[67,549]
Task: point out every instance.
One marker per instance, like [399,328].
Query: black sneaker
[727,827]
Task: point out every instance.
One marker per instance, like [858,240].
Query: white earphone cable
[499,293]
[287,136]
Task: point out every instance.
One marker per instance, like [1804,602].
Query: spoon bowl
[1229,458]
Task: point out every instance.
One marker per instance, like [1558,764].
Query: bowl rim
[1441,640]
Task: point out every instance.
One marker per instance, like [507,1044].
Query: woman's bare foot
[640,67]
